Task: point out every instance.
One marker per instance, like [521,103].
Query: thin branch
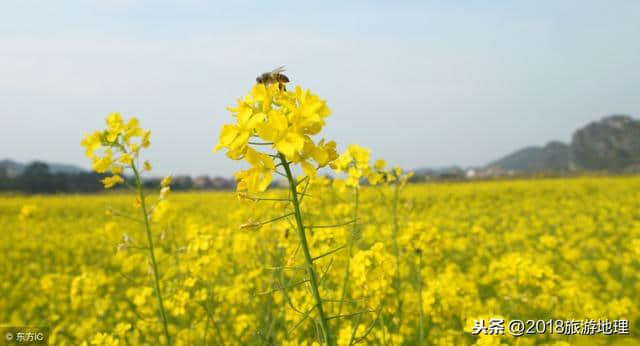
[355,329]
[324,274]
[304,318]
[121,214]
[351,315]
[285,294]
[215,325]
[304,191]
[281,287]
[370,328]
[302,180]
[256,198]
[258,224]
[126,277]
[129,186]
[293,227]
[333,226]
[329,253]
[285,267]
[352,301]
[271,199]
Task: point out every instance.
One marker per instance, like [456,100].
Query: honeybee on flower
[283,120]
[276,76]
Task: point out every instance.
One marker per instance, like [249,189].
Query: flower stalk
[396,247]
[154,264]
[421,313]
[313,281]
[352,239]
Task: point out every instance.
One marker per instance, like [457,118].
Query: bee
[274,76]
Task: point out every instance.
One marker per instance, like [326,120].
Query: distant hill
[13,169]
[552,157]
[611,144]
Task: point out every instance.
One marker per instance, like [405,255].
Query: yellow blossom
[166,181]
[112,181]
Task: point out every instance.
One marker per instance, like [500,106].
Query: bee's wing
[278,70]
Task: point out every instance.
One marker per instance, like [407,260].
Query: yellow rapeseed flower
[166,181]
[92,142]
[285,121]
[112,181]
[119,148]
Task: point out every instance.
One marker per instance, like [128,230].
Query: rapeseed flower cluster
[121,143]
[284,121]
[120,152]
[355,163]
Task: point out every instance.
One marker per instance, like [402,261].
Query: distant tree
[182,182]
[35,169]
[4,178]
[36,178]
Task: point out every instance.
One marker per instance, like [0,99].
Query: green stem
[396,247]
[421,315]
[383,327]
[345,279]
[156,278]
[324,325]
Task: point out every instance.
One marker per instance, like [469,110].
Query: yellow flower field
[452,253]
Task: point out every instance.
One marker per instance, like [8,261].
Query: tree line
[38,178]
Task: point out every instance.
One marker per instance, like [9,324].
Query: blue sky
[420,83]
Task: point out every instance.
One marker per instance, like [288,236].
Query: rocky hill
[611,144]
